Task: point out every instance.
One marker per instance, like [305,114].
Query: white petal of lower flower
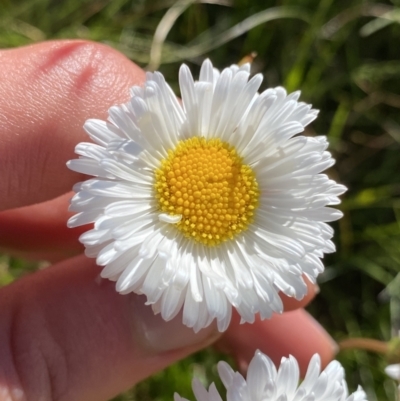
[393,371]
[265,382]
[214,203]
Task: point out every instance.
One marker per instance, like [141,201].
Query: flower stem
[368,344]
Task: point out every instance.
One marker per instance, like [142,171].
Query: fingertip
[294,333]
[48,91]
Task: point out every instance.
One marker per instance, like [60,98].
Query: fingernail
[157,335]
[335,347]
[317,289]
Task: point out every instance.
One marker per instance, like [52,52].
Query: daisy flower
[209,203]
[265,382]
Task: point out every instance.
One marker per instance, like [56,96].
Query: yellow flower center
[205,181]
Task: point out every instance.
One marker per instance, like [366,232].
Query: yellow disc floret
[205,181]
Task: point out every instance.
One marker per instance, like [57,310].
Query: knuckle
[83,67]
[38,363]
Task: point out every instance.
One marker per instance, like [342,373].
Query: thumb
[66,334]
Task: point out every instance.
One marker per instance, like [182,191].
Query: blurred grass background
[345,57]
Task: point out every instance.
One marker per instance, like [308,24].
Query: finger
[40,232]
[48,91]
[293,333]
[66,334]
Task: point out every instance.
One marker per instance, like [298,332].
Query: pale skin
[65,334]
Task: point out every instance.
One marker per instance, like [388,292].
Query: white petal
[393,371]
[166,218]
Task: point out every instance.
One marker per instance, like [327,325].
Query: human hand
[65,334]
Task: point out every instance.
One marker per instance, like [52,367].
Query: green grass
[346,61]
